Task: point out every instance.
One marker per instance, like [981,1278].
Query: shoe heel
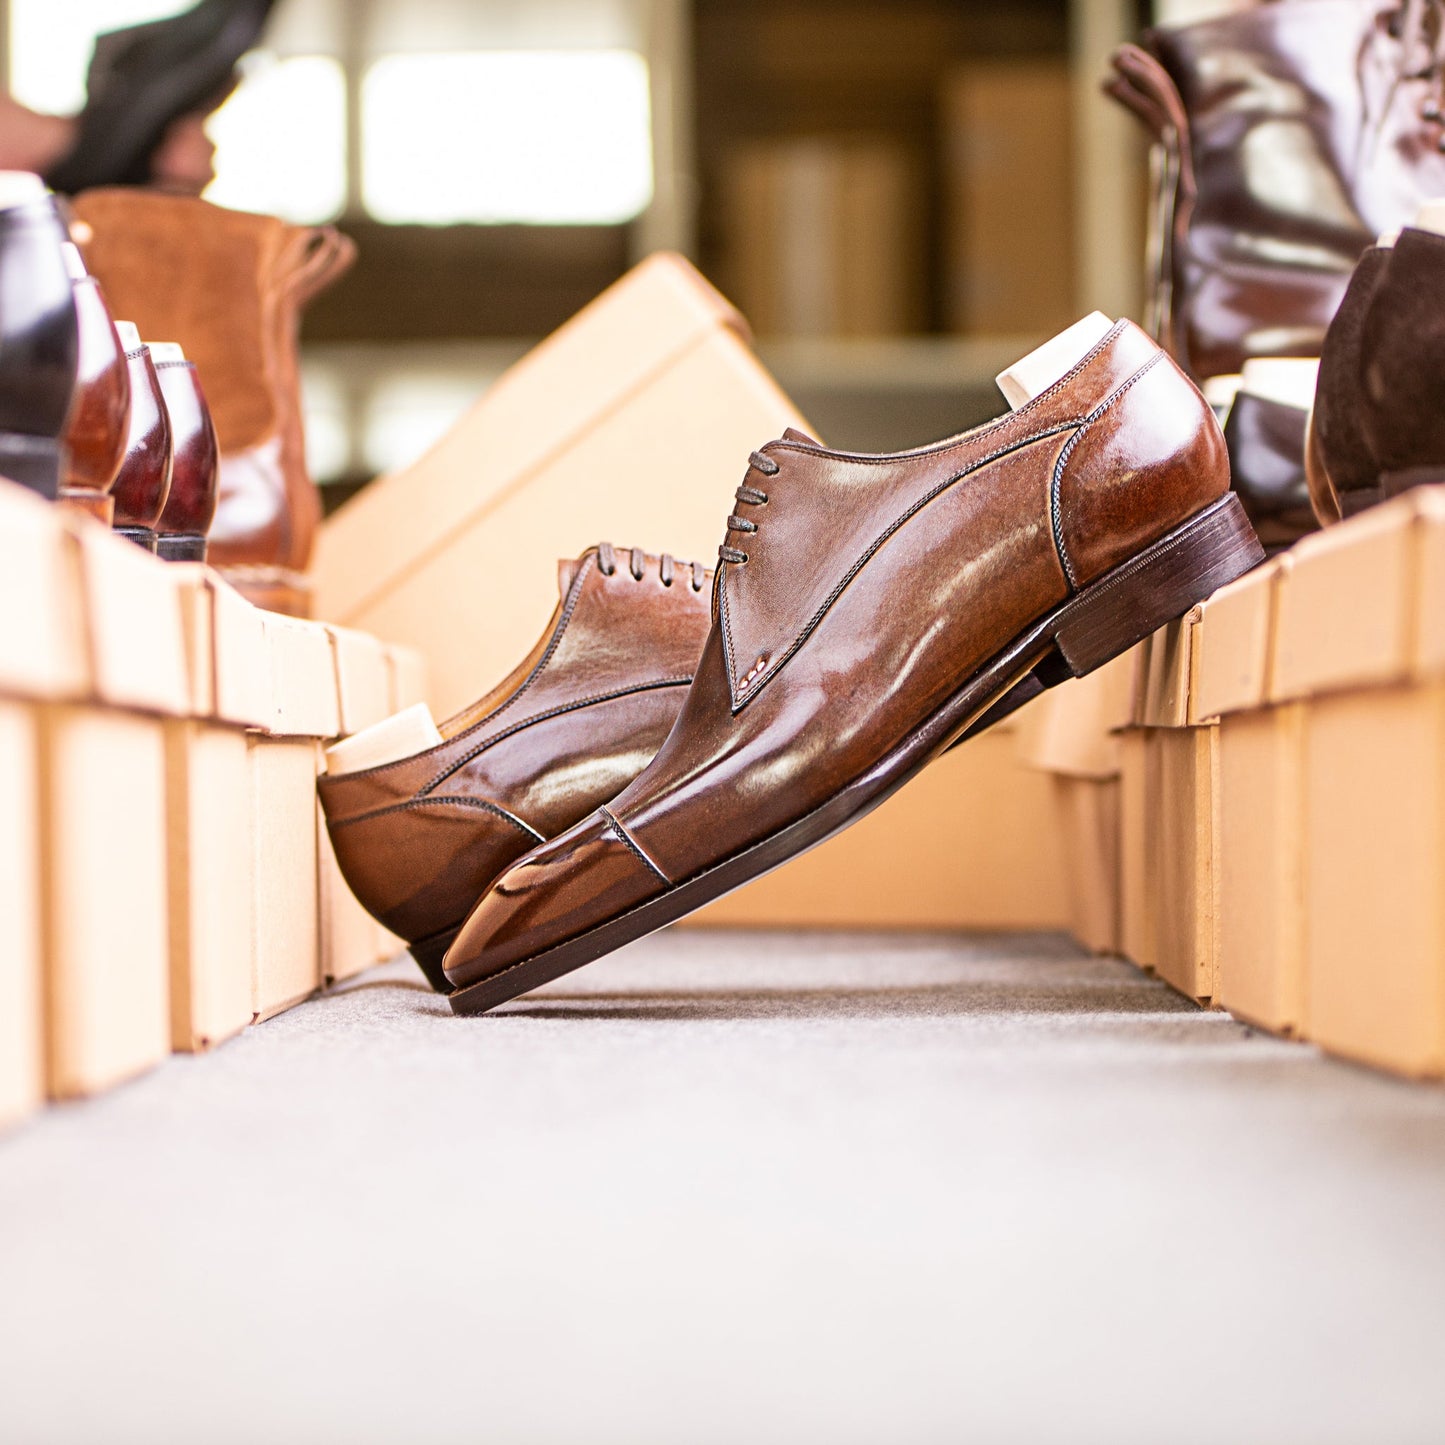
[429,953]
[1157,586]
[143,537]
[34,462]
[181,547]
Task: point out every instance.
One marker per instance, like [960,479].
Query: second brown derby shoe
[419,839]
[867,611]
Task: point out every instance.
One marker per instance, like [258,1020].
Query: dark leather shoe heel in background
[39,345]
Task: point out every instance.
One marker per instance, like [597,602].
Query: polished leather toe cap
[586,877]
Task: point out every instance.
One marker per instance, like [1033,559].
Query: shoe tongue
[794,435]
[567,570]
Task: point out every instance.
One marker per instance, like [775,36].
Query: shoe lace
[750,497]
[667,567]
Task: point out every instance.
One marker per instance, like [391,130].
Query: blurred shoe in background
[39,334]
[229,287]
[195,458]
[99,422]
[144,482]
[148,91]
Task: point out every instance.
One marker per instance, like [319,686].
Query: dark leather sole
[429,953]
[143,537]
[1107,617]
[181,547]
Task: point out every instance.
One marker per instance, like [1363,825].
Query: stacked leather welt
[164,880]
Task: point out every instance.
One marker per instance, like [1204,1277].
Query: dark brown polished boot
[419,840]
[195,458]
[867,611]
[39,335]
[95,433]
[144,483]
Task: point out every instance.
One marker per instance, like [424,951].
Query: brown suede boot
[229,287]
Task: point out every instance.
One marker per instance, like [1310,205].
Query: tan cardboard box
[44,646]
[1350,616]
[286,942]
[104,896]
[1261,934]
[972,842]
[822,235]
[1088,810]
[406,668]
[22,1048]
[1235,637]
[1008,154]
[286,860]
[133,614]
[630,424]
[212,894]
[1138,783]
[1183,857]
[366,680]
[1374,865]
[227,655]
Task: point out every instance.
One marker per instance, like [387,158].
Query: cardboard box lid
[585,370]
[1235,639]
[44,651]
[1171,661]
[133,615]
[363,679]
[1071,730]
[1346,618]
[407,670]
[229,664]
[304,693]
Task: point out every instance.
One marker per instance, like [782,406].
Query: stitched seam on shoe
[725,616]
[1056,484]
[870,551]
[560,710]
[632,843]
[443,800]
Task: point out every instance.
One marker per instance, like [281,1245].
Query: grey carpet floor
[730,1187]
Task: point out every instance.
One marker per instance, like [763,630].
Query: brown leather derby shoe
[420,839]
[868,610]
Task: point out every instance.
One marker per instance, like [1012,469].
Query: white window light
[281,139]
[508,136]
[50,43]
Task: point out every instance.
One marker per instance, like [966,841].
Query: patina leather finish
[419,840]
[859,601]
[191,502]
[1289,136]
[144,482]
[96,431]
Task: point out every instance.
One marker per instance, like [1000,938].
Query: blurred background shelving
[902,198]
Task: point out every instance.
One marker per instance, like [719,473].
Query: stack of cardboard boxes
[1284,793]
[163,875]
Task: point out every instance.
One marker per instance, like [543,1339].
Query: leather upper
[872,588]
[191,502]
[95,433]
[418,840]
[1291,134]
[144,482]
